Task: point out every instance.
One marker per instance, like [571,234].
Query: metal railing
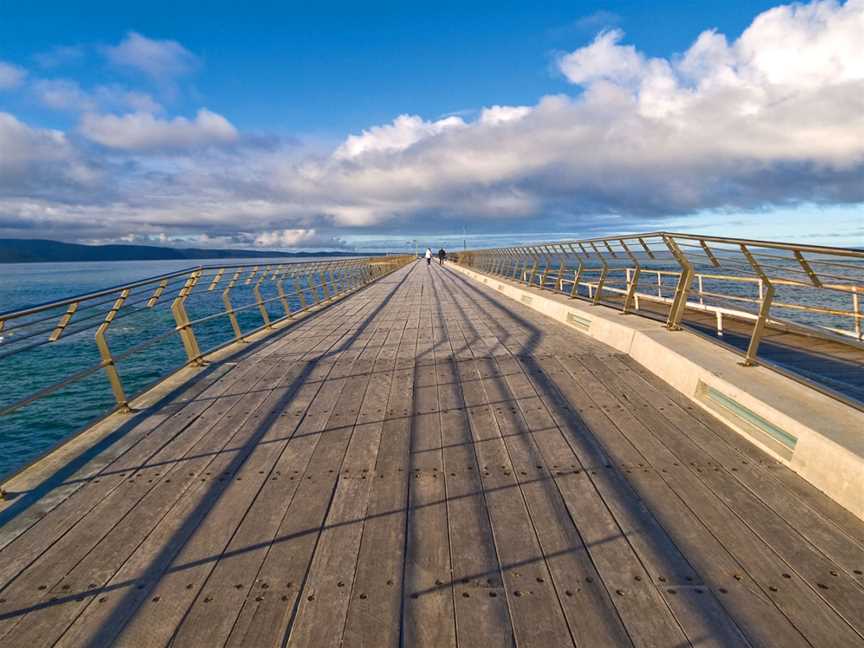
[204,307]
[688,278]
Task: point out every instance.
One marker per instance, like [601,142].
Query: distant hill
[39,250]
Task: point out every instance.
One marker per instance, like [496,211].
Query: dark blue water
[29,432]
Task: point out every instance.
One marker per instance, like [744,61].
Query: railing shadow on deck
[22,500]
[161,564]
[653,533]
[124,611]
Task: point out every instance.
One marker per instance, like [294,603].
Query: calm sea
[33,430]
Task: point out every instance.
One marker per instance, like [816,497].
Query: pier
[423,456]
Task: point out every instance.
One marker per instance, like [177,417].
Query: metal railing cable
[129,319]
[815,290]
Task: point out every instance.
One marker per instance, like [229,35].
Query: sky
[371,125]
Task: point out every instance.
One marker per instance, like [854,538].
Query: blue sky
[281,125]
[339,67]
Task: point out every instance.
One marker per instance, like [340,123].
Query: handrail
[812,288]
[128,319]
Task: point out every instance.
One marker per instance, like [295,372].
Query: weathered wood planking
[428,463]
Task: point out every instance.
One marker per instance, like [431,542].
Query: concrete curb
[818,437]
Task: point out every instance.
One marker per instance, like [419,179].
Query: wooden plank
[102,564]
[144,426]
[171,535]
[482,616]
[837,588]
[326,596]
[828,524]
[232,579]
[816,621]
[649,620]
[428,604]
[46,574]
[267,619]
[373,617]
[213,535]
[791,483]
[591,613]
[480,601]
[757,616]
[93,485]
[535,611]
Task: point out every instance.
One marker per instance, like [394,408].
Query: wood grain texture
[428,463]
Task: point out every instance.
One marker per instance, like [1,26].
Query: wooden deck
[427,464]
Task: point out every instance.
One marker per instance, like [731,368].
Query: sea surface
[36,428]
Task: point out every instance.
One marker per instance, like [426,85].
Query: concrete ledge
[818,437]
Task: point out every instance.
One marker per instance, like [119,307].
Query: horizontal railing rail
[204,307]
[812,289]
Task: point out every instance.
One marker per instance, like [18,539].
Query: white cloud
[772,118]
[11,76]
[62,94]
[30,157]
[501,114]
[296,238]
[161,60]
[142,131]
[65,94]
[403,132]
[603,59]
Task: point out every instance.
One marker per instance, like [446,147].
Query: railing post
[105,353]
[62,324]
[560,282]
[310,282]
[229,308]
[283,298]
[547,262]
[766,292]
[856,312]
[536,260]
[184,327]
[262,307]
[577,277]
[632,282]
[632,285]
[298,291]
[216,278]
[600,282]
[157,293]
[679,301]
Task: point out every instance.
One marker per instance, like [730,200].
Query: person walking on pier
[428,256]
[442,256]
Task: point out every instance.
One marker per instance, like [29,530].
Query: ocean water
[36,428]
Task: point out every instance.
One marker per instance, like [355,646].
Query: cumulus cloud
[66,94]
[142,131]
[39,160]
[11,75]
[161,60]
[297,238]
[772,118]
[603,59]
[403,132]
